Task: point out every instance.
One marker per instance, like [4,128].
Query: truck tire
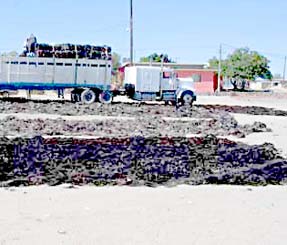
[88,96]
[187,98]
[105,97]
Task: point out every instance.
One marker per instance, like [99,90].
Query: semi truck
[90,79]
[148,83]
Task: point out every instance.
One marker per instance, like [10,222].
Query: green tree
[116,60]
[156,58]
[10,54]
[213,63]
[243,65]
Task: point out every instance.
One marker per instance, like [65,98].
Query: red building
[205,80]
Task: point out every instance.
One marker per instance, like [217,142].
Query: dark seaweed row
[9,105]
[138,161]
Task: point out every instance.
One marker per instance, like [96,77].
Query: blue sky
[189,31]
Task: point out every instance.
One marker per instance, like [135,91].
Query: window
[68,64]
[78,64]
[50,64]
[23,63]
[59,64]
[196,78]
[40,63]
[84,65]
[14,62]
[166,74]
[94,65]
[33,63]
[102,65]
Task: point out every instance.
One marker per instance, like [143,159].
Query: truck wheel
[187,99]
[106,97]
[88,96]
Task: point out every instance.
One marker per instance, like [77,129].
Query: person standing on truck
[31,44]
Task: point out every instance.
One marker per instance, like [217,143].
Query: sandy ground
[181,215]
[125,215]
[264,101]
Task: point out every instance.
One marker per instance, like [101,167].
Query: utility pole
[219,68]
[131,34]
[284,70]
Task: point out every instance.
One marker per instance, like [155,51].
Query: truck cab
[148,83]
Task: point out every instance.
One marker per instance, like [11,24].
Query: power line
[219,68]
[284,70]
[131,33]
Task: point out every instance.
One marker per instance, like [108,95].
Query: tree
[213,63]
[116,60]
[243,65]
[156,58]
[10,54]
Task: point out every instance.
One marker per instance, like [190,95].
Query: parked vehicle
[147,83]
[89,79]
[89,76]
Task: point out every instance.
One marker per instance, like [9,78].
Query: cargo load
[66,50]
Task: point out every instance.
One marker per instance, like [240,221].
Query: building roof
[176,66]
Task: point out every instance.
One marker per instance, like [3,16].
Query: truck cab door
[169,81]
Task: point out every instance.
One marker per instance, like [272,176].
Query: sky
[188,31]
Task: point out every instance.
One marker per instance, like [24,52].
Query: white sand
[123,215]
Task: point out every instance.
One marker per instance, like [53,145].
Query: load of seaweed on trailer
[67,50]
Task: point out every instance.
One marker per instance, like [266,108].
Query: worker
[31,44]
